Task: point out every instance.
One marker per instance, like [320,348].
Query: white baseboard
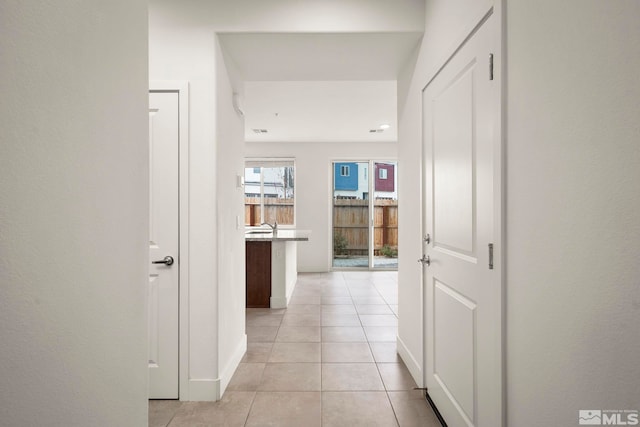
[278,302]
[210,390]
[415,368]
[204,390]
[230,368]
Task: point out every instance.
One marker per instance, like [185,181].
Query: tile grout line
[321,365]
[246,419]
[386,391]
[392,407]
[173,416]
[370,349]
[255,393]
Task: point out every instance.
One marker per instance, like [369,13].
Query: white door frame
[182,89]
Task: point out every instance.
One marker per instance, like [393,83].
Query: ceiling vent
[259,131]
[376,130]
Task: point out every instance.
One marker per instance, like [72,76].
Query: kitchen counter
[258,235]
[271,263]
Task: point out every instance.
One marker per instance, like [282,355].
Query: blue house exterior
[345,176]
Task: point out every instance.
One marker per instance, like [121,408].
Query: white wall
[292,15]
[314,190]
[232,340]
[447,22]
[188,55]
[73,213]
[573,204]
[216,156]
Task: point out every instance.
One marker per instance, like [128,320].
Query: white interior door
[461,214]
[163,245]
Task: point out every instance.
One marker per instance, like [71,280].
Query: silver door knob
[425,260]
[168,260]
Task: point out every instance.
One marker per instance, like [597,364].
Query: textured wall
[573,174]
[73,213]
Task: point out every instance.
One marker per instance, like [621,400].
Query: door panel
[463,323]
[453,160]
[454,350]
[163,241]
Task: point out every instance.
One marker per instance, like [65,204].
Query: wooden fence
[351,220]
[280,210]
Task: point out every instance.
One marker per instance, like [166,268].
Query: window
[344,170]
[269,190]
[382,173]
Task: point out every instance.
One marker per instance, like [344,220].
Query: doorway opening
[365,215]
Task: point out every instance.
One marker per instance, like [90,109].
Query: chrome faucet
[274,227]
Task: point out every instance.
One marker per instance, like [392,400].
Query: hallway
[327,360]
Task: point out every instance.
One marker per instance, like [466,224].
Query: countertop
[281,235]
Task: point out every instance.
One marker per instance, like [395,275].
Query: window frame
[261,164]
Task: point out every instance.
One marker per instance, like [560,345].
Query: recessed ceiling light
[384,126]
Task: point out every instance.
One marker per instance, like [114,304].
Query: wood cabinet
[258,268]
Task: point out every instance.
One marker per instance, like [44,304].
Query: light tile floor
[329,359]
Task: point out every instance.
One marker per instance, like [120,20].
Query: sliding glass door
[351,218]
[385,218]
[365,214]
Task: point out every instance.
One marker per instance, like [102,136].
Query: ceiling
[319,87]
[328,111]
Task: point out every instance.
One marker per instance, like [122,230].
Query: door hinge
[490,256]
[491,66]
[425,260]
